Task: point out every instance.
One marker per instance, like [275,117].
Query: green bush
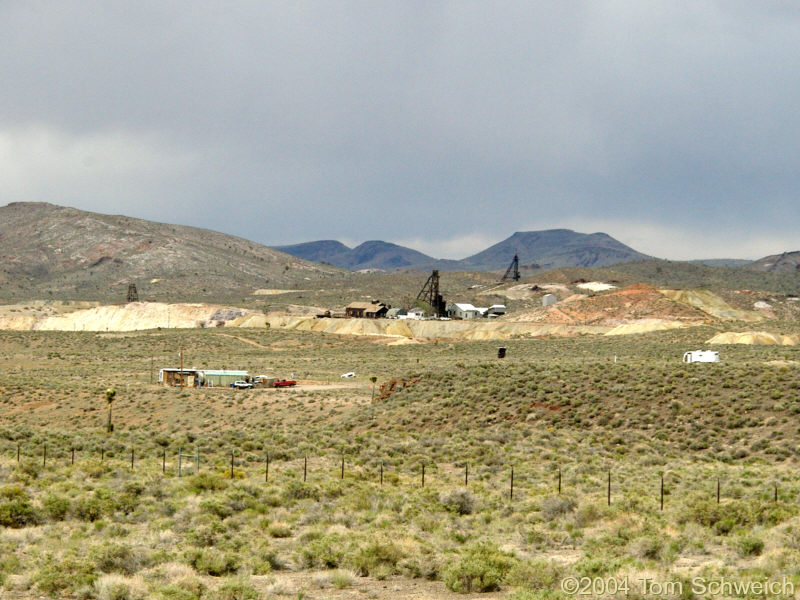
[749,545]
[18,513]
[461,501]
[67,573]
[55,506]
[212,561]
[235,588]
[116,558]
[326,551]
[88,508]
[480,569]
[206,482]
[378,559]
[534,574]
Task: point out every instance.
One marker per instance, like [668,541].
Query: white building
[458,310]
[701,356]
[549,299]
[496,310]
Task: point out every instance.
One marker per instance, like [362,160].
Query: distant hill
[58,252]
[547,249]
[369,255]
[788,262]
[721,262]
[321,251]
[554,248]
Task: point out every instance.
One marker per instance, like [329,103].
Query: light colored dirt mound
[755,338]
[462,330]
[637,304]
[128,317]
[271,292]
[712,304]
[646,326]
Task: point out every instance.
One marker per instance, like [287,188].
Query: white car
[241,385]
[348,375]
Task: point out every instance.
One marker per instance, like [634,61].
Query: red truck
[285,383]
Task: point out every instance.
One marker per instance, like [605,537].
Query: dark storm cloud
[670,125]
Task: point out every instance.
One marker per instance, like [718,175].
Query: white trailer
[701,356]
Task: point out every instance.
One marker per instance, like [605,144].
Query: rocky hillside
[51,251]
[553,248]
[787,262]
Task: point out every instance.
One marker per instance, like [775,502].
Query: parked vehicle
[349,375]
[285,383]
[241,385]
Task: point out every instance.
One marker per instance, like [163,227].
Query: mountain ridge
[549,248]
[53,250]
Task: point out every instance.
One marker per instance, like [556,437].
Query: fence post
[231,465]
[73,455]
[164,461]
[662,491]
[180,456]
[776,491]
[342,466]
[305,467]
[17,452]
[266,469]
[423,474]
[609,487]
[559,481]
[44,456]
[511,493]
[102,454]
[466,475]
[717,490]
[381,473]
[132,451]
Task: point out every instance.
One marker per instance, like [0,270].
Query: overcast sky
[671,125]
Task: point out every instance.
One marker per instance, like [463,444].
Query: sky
[672,125]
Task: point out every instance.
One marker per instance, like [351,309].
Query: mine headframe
[430,295]
[133,295]
[513,270]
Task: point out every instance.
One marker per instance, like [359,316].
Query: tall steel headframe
[430,294]
[513,270]
[133,295]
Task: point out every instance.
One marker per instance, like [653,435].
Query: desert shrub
[88,508]
[117,558]
[67,573]
[553,507]
[235,588]
[55,506]
[186,588]
[378,559]
[749,545]
[727,515]
[212,561]
[300,490]
[18,513]
[215,506]
[115,587]
[647,546]
[206,482]
[280,530]
[480,568]
[342,580]
[461,501]
[326,551]
[534,574]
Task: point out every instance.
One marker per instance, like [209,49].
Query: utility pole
[180,352]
